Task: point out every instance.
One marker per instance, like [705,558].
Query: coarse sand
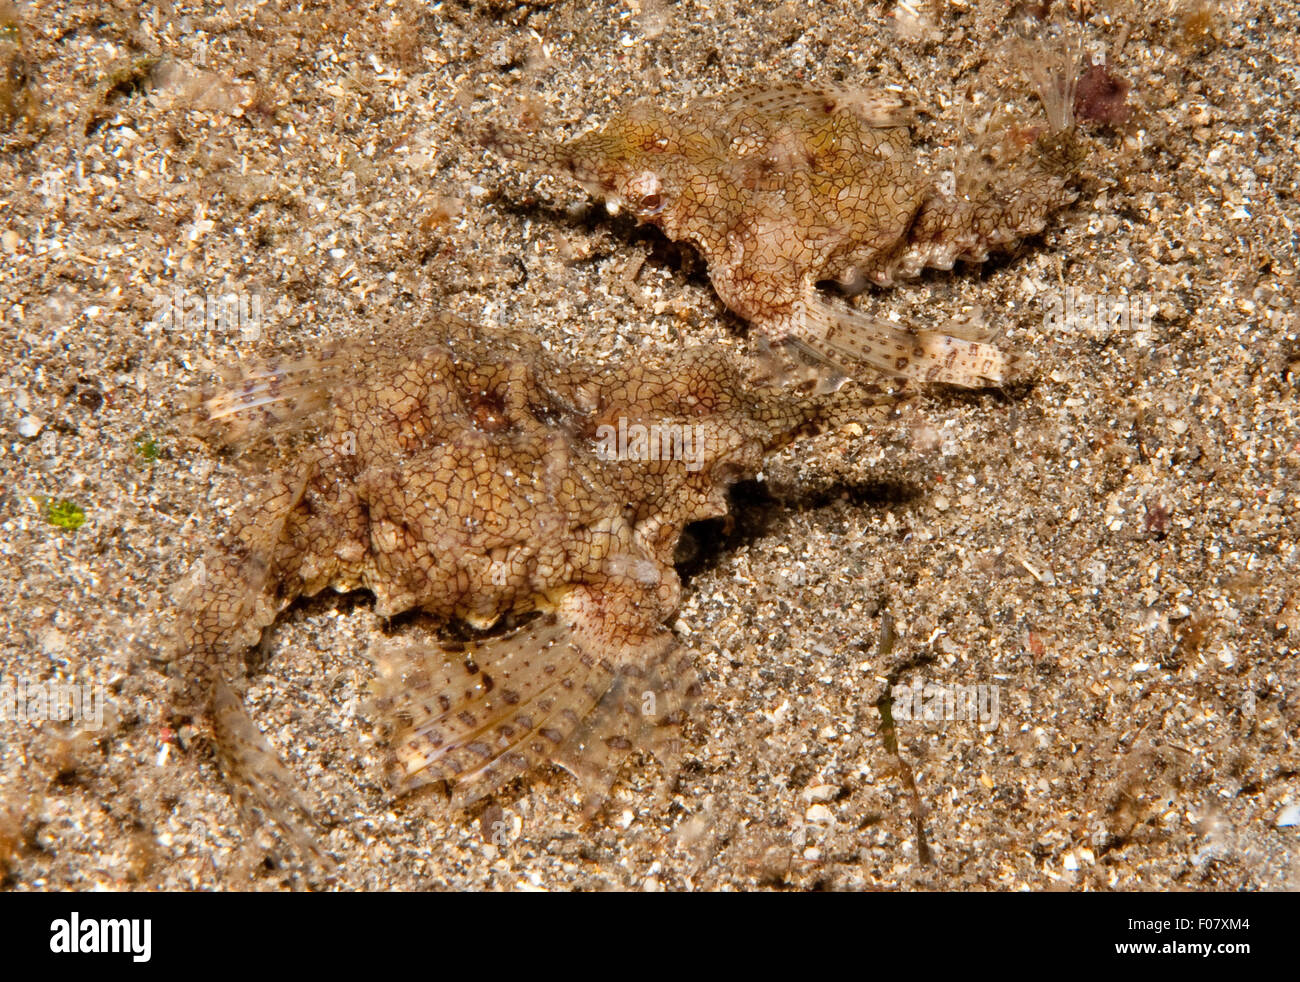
[1102,550]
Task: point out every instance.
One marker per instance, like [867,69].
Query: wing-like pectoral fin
[846,338]
[480,716]
[645,709]
[794,366]
[551,692]
[261,398]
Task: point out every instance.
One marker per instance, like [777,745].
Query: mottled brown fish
[783,187]
[480,479]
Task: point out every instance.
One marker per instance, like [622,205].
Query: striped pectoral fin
[645,709]
[845,337]
[551,692]
[262,397]
[480,716]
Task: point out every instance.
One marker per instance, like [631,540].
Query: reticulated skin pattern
[783,187]
[475,477]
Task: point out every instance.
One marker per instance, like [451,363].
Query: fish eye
[645,191]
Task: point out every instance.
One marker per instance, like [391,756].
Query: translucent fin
[264,787]
[845,337]
[875,107]
[545,694]
[482,716]
[1053,68]
[264,397]
[644,709]
[792,367]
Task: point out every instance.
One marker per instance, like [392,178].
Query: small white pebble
[1288,816]
[820,792]
[819,815]
[30,426]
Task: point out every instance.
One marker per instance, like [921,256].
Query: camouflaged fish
[781,188]
[479,479]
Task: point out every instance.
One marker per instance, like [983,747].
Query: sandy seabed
[1105,546]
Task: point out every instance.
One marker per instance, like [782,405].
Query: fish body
[784,187]
[479,479]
